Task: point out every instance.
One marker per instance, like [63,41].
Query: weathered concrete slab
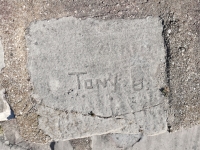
[2,64]
[75,125]
[96,77]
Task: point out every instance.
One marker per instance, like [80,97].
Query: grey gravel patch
[12,140]
[2,64]
[96,77]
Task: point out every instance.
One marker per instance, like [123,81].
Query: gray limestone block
[62,145]
[114,141]
[184,139]
[95,76]
[63,125]
[82,143]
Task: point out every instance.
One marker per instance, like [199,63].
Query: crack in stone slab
[103,117]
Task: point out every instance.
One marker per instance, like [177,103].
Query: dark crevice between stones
[94,115]
[140,138]
[168,24]
[169,128]
[52,145]
[12,115]
[166,27]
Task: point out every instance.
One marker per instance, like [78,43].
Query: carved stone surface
[93,77]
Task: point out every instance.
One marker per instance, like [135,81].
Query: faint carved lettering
[138,85]
[78,77]
[103,83]
[114,83]
[88,84]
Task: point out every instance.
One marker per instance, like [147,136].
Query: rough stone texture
[83,143]
[182,40]
[62,145]
[101,74]
[119,64]
[73,125]
[185,139]
[2,64]
[11,139]
[115,141]
[181,35]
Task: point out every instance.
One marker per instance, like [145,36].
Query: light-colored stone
[185,139]
[96,77]
[63,145]
[62,125]
[114,141]
[5,108]
[2,64]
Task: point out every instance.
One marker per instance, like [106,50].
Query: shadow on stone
[12,115]
[52,145]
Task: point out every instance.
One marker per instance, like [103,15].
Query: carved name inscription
[92,83]
[108,67]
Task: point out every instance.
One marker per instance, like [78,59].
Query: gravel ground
[181,34]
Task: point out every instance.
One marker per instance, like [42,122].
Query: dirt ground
[181,33]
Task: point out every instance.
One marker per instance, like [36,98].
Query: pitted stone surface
[98,76]
[115,141]
[2,64]
[184,139]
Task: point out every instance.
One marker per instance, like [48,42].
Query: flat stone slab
[94,77]
[115,141]
[182,139]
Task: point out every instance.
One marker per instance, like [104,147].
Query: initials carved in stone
[137,85]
